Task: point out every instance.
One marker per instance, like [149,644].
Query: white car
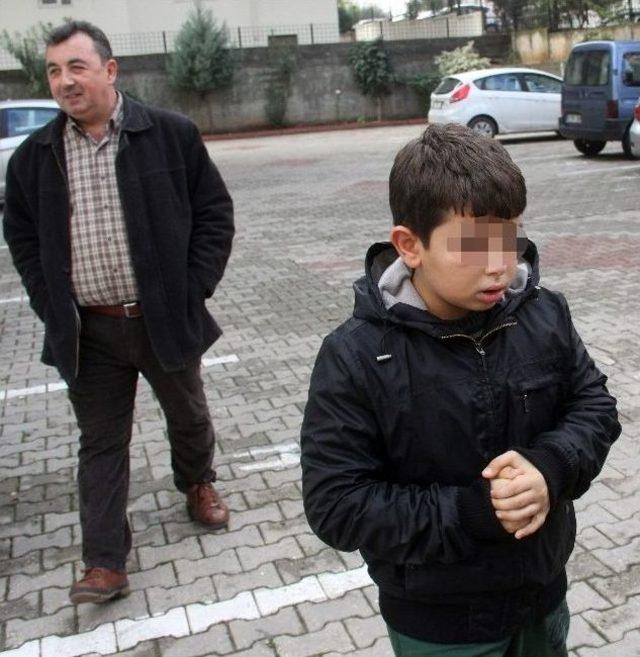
[634,132]
[499,100]
[18,119]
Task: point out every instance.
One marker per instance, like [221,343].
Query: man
[120,226]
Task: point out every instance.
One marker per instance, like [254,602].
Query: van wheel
[588,147]
[485,125]
[626,145]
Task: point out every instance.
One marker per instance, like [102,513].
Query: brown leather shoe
[205,506]
[99,585]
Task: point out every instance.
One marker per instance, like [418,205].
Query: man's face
[80,81]
[468,265]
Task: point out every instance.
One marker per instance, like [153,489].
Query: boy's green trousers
[543,638]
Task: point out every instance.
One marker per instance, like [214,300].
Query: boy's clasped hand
[519,493]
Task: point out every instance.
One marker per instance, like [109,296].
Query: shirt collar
[113,125]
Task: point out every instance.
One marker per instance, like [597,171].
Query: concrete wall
[540,46]
[319,72]
[438,27]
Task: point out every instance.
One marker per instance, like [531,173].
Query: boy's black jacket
[404,412]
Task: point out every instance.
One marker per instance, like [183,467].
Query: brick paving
[307,208]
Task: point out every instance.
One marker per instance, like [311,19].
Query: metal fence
[153,43]
[461,20]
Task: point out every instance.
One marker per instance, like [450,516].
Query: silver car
[18,119]
[634,132]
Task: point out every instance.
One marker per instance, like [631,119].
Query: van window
[588,68]
[631,69]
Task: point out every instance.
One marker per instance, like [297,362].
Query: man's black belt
[128,310]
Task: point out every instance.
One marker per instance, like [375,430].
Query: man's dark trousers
[113,351]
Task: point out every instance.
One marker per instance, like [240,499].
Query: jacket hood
[405,309]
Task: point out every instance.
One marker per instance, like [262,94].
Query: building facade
[149,26]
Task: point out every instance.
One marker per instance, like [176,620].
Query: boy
[452,420]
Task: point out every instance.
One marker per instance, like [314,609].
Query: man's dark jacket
[406,410]
[179,220]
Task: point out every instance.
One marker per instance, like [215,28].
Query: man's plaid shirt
[101,267]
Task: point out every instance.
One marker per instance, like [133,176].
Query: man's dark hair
[68,29]
[452,168]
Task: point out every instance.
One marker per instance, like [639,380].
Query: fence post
[311,30]
[447,27]
[164,41]
[381,31]
[239,37]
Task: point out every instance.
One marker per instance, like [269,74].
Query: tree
[459,60]
[202,61]
[29,49]
[372,70]
[349,14]
[412,9]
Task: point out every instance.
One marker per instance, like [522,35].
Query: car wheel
[588,147]
[485,125]
[626,146]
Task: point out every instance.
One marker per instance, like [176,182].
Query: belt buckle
[129,309]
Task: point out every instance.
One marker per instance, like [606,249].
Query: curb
[320,127]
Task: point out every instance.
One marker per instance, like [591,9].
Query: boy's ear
[407,244]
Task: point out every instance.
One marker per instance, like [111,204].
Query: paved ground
[307,207]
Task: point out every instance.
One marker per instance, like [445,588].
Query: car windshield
[588,68]
[447,85]
[23,121]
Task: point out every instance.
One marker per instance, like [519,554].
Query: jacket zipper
[76,314]
[482,353]
[478,343]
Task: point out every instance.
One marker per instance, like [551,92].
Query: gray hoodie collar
[395,284]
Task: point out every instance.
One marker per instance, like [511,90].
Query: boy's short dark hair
[452,168]
[69,28]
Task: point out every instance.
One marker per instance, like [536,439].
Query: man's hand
[522,502]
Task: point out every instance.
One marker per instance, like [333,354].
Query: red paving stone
[576,252]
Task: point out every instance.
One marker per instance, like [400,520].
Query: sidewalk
[307,207]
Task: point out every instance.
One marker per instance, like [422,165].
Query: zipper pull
[525,402]
[479,349]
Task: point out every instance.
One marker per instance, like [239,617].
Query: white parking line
[13,393]
[283,461]
[611,169]
[282,448]
[110,638]
[220,360]
[55,386]
[13,300]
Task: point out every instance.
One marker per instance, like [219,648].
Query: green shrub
[279,88]
[423,84]
[465,58]
[372,70]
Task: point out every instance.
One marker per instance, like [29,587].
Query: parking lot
[307,208]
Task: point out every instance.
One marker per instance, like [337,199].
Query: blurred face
[80,81]
[468,265]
